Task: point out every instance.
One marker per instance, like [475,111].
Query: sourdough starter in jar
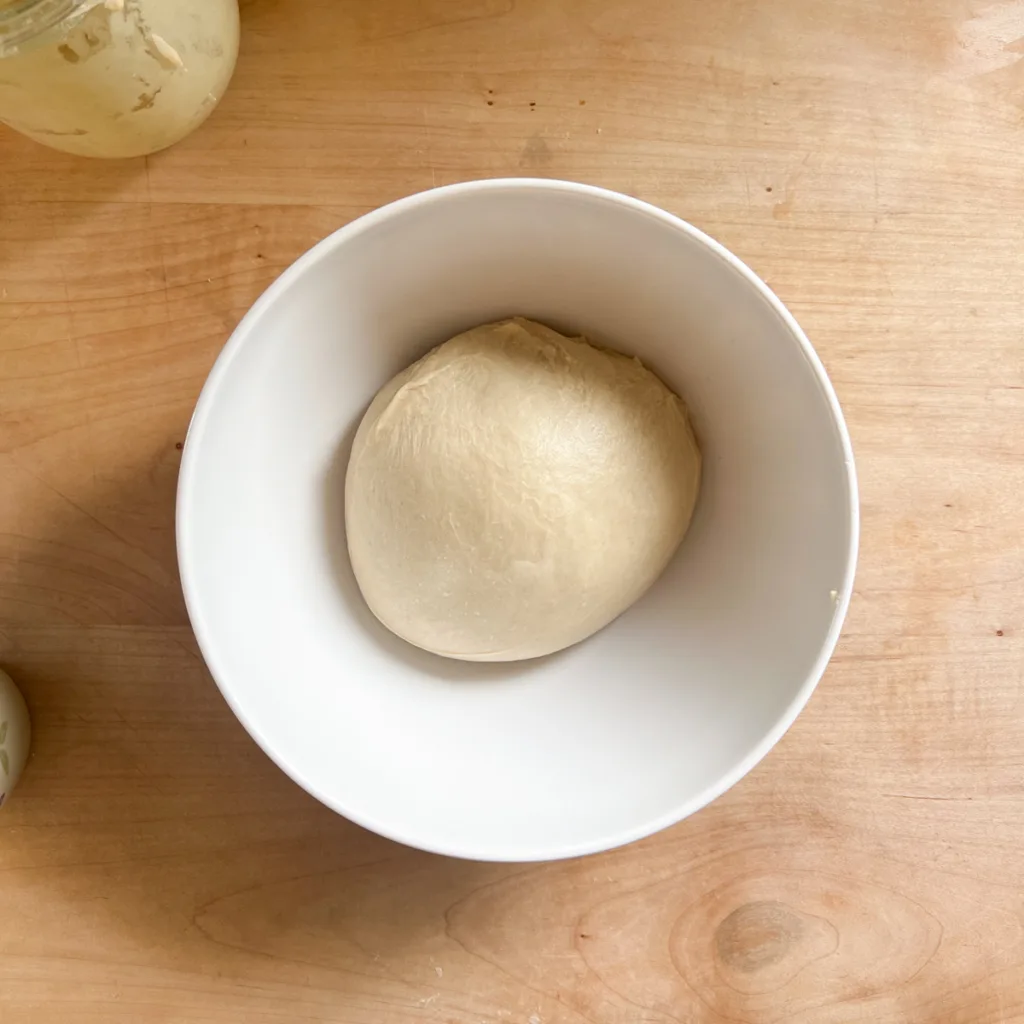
[116,78]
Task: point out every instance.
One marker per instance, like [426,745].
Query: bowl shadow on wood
[150,832]
[447,669]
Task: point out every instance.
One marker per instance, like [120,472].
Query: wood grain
[864,156]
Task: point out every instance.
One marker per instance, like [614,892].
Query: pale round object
[15,733]
[514,491]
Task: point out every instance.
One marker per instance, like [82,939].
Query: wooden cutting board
[866,157]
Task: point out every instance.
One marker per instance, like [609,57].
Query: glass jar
[114,78]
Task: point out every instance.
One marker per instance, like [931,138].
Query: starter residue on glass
[121,78]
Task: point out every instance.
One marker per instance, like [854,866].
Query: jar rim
[22,20]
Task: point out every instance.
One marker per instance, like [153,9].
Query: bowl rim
[234,694]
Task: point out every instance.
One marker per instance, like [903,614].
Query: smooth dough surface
[515,490]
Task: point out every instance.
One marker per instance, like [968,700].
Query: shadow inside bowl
[336,543]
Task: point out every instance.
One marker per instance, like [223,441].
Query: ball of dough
[514,491]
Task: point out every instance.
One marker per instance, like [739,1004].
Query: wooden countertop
[866,157]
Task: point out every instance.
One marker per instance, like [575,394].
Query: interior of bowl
[607,741]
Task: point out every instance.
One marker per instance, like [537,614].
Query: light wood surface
[866,157]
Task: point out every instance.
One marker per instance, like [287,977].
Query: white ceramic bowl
[608,741]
